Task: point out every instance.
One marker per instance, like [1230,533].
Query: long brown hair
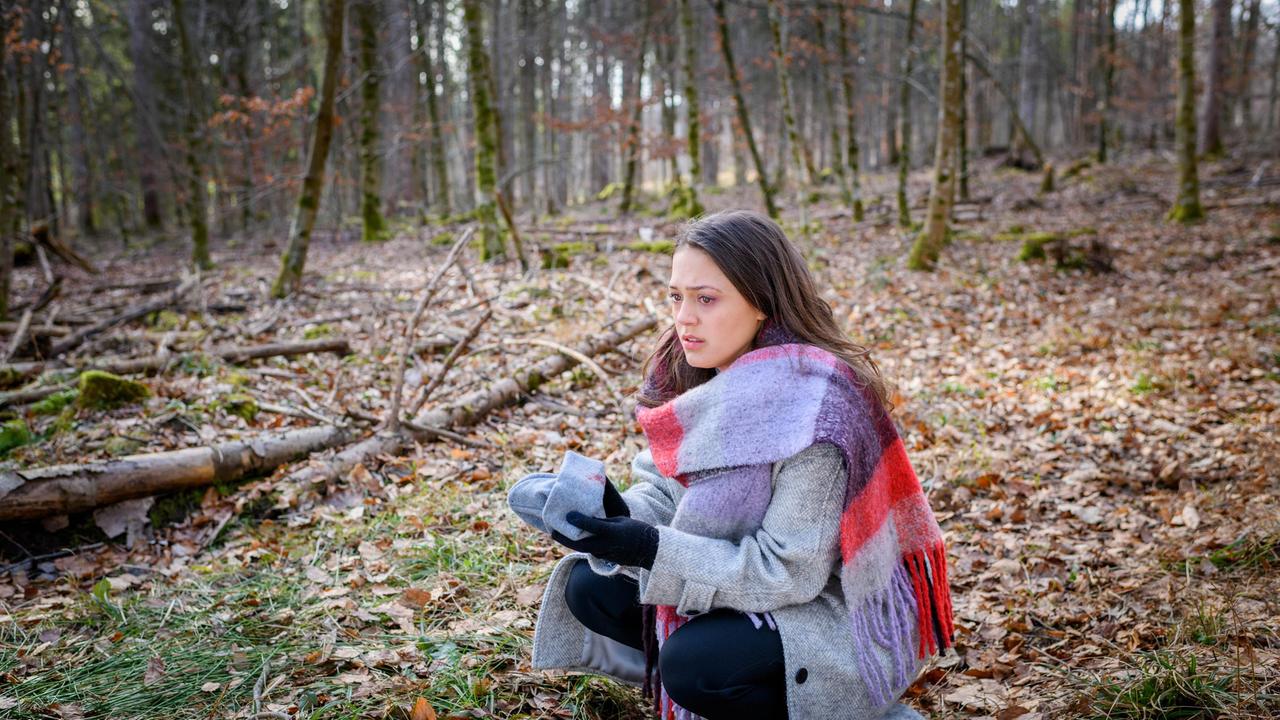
[755,254]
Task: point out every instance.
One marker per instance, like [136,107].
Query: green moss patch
[54,404]
[101,390]
[14,434]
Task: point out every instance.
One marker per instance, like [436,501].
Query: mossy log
[65,489]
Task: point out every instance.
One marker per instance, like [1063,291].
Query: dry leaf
[422,710]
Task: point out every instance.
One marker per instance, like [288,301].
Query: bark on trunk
[1214,90]
[373,224]
[1187,207]
[486,134]
[304,219]
[65,489]
[904,117]
[744,119]
[924,253]
[195,143]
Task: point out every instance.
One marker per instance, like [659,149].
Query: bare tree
[304,219]
[195,143]
[744,118]
[1187,207]
[1214,90]
[928,244]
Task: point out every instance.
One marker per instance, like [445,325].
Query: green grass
[1164,685]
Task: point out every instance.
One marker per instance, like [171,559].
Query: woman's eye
[674,297]
[707,298]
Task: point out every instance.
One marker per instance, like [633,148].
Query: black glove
[614,505]
[619,540]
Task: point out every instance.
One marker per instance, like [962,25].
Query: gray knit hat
[543,499]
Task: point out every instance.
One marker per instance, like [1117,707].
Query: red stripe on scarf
[892,482]
[663,430]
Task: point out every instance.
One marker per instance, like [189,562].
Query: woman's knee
[578,591]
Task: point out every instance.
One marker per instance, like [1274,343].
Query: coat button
[801,675]
[694,612]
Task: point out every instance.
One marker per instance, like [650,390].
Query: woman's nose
[685,314]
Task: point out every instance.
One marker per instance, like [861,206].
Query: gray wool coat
[788,568]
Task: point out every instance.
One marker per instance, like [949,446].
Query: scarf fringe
[919,586]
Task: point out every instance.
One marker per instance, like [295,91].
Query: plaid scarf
[720,440]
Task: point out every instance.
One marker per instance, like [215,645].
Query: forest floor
[1100,448]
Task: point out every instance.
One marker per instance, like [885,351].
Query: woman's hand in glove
[619,540]
[614,505]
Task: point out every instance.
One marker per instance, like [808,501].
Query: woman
[774,556]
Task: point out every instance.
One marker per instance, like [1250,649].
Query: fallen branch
[77,338]
[397,389]
[465,411]
[133,366]
[65,489]
[454,353]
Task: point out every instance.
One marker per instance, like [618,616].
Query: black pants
[718,665]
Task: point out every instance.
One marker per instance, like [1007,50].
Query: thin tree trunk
[1108,80]
[144,110]
[1187,207]
[1214,90]
[904,118]
[304,219]
[486,134]
[373,224]
[631,146]
[439,160]
[762,177]
[78,98]
[962,130]
[195,143]
[799,147]
[689,40]
[928,244]
[1248,45]
[8,175]
[852,151]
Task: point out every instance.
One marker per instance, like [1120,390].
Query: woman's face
[714,322]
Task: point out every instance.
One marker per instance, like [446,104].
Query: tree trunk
[1108,80]
[66,489]
[528,107]
[144,110]
[1029,77]
[924,252]
[689,41]
[962,130]
[8,175]
[726,49]
[486,134]
[78,98]
[1248,45]
[1187,207]
[1274,95]
[850,116]
[904,118]
[438,160]
[799,147]
[631,145]
[373,224]
[304,219]
[1214,90]
[195,143]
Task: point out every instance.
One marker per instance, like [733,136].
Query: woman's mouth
[690,342]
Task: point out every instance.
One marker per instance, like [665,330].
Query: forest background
[291,292]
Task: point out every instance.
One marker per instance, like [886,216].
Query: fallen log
[74,340]
[132,366]
[65,489]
